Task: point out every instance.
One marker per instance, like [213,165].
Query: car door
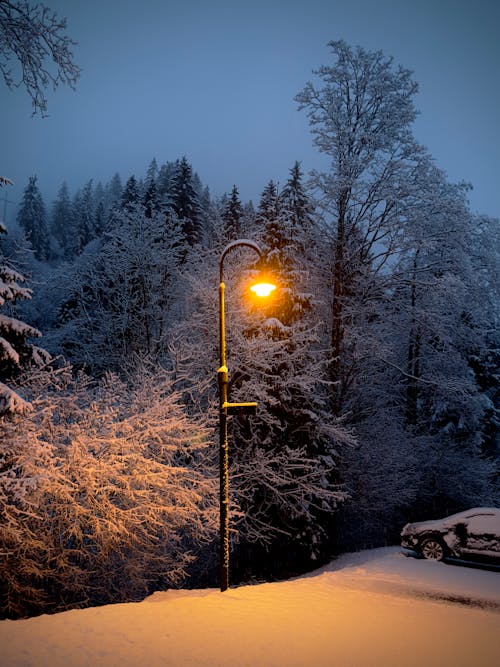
[483,535]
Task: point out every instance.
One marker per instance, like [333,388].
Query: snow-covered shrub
[105,493]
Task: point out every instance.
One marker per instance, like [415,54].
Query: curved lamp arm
[222,318]
[235,244]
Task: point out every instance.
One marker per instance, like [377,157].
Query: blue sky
[215,81]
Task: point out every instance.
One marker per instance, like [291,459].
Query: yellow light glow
[263,289]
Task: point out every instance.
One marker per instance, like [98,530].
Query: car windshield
[468,514]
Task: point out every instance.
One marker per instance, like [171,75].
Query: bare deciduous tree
[35,37]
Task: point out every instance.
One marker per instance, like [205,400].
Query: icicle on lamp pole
[226,408]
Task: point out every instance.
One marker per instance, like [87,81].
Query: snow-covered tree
[360,116]
[61,222]
[32,219]
[118,300]
[233,212]
[152,172]
[130,195]
[83,217]
[164,181]
[151,199]
[99,219]
[16,352]
[113,192]
[106,493]
[449,320]
[35,37]
[290,381]
[185,202]
[283,461]
[419,411]
[296,202]
[406,309]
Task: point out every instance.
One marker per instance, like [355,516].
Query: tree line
[374,365]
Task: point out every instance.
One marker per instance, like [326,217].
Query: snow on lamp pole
[226,408]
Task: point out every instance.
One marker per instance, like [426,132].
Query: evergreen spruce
[297,206]
[288,380]
[232,215]
[113,193]
[16,352]
[185,202]
[164,182]
[130,195]
[32,219]
[61,220]
[86,216]
[151,199]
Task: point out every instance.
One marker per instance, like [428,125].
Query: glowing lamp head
[263,289]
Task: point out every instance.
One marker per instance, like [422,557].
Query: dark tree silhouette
[34,36]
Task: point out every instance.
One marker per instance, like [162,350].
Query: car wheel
[432,548]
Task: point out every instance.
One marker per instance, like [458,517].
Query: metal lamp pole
[226,409]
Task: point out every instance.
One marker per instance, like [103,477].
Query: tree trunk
[337,307]
[413,367]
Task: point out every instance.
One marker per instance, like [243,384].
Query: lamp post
[226,408]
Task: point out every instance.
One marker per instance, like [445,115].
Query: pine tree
[113,192]
[16,352]
[83,220]
[232,215]
[99,194]
[185,202]
[164,181]
[120,298]
[86,216]
[31,218]
[99,219]
[268,210]
[130,195]
[61,220]
[283,462]
[297,207]
[151,199]
[152,172]
[293,421]
[100,216]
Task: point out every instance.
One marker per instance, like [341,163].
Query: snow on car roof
[475,511]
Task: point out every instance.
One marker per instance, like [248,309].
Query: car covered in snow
[472,535]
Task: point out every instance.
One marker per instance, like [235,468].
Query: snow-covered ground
[373,608]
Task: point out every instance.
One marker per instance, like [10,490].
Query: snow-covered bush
[105,493]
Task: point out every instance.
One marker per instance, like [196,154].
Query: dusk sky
[215,81]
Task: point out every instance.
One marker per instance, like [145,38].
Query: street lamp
[226,408]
